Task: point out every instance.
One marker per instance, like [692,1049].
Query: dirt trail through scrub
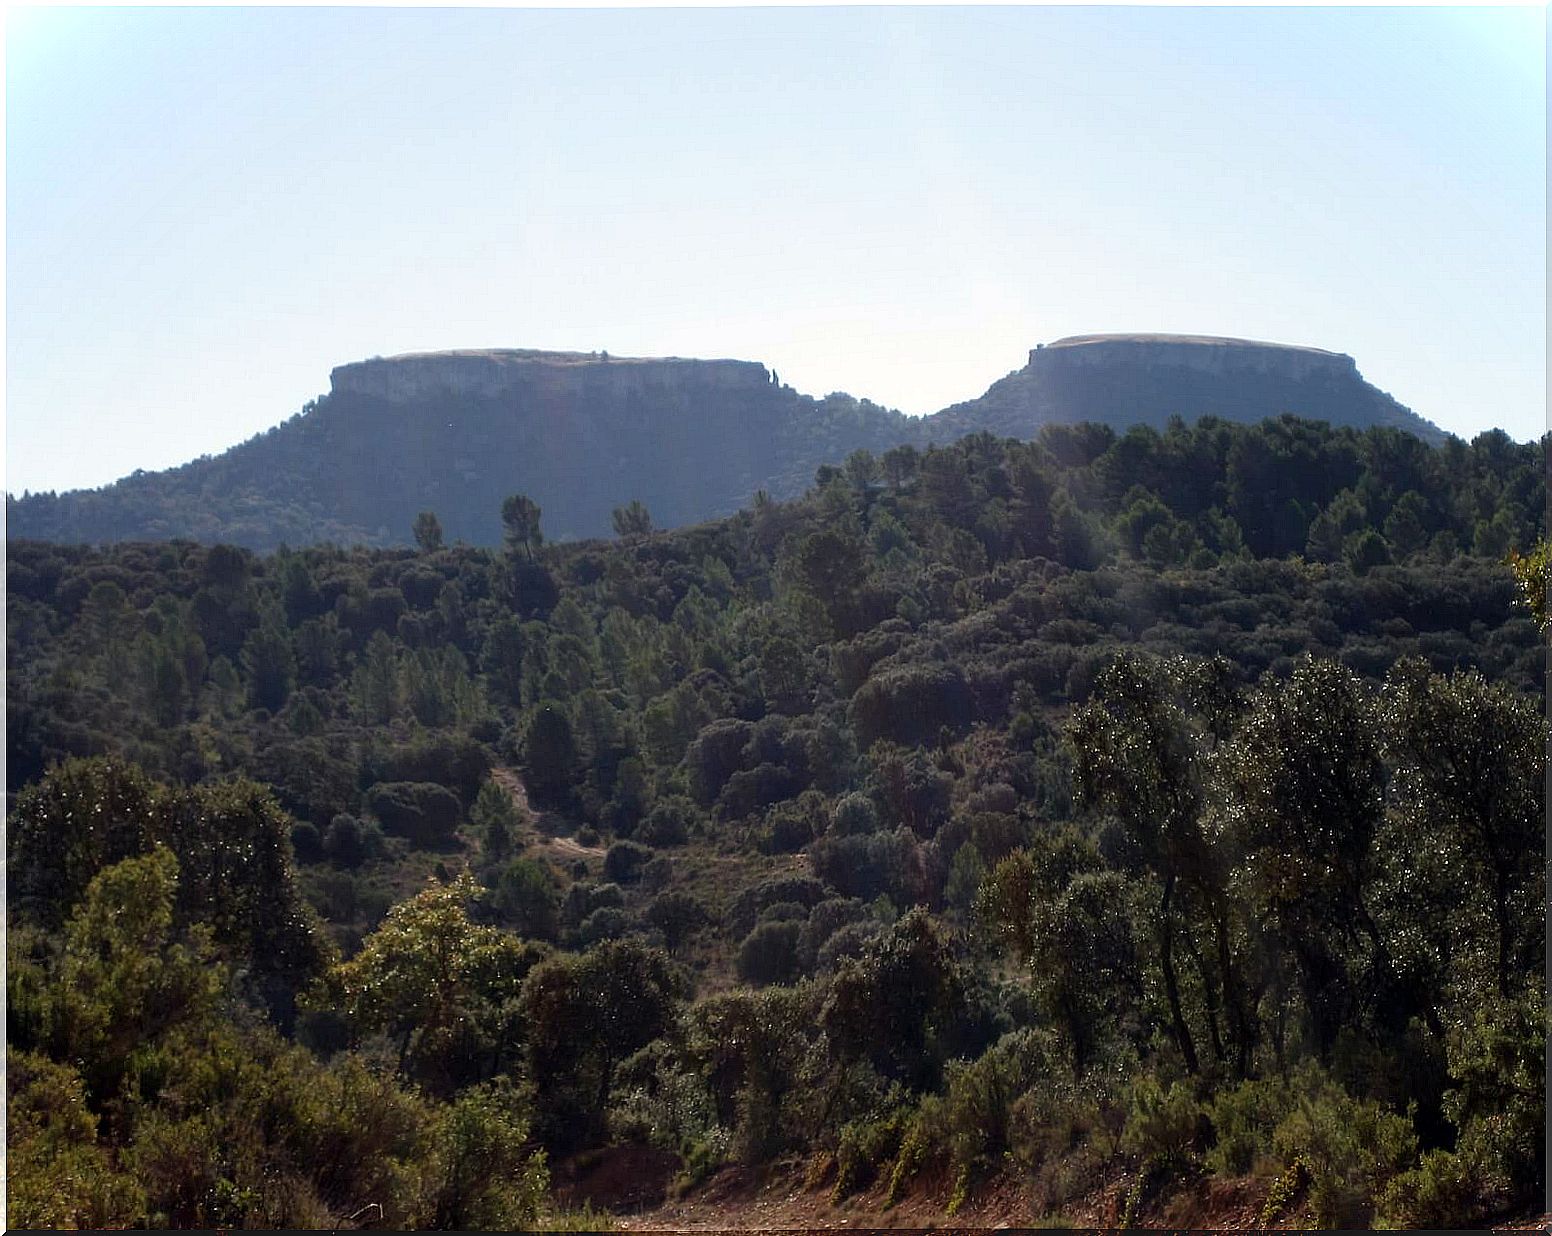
[560,847]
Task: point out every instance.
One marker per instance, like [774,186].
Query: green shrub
[979,1096]
[677,915]
[426,813]
[854,815]
[481,1174]
[1351,1148]
[1161,1125]
[788,828]
[669,823]
[344,842]
[1498,1099]
[1442,1192]
[607,923]
[624,861]
[57,1176]
[769,953]
[1063,1134]
[1243,1118]
[525,897]
[922,1142]
[864,1148]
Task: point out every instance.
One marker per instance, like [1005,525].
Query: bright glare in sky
[208,209]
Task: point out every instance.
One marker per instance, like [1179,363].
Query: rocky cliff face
[493,374]
[1122,380]
[1201,353]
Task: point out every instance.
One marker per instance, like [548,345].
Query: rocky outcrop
[1121,380]
[1201,353]
[491,374]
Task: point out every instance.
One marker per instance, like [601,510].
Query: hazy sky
[208,209]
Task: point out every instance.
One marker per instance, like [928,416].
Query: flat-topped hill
[585,432]
[492,372]
[1211,341]
[1126,379]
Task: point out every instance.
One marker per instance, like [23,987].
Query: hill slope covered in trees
[583,434]
[1174,799]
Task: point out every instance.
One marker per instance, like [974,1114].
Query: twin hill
[584,433]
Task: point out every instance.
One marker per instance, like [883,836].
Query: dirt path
[566,848]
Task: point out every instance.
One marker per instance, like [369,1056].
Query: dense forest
[1108,815]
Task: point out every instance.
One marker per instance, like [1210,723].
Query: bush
[344,843]
[877,864]
[526,898]
[715,755]
[584,899]
[769,953]
[676,915]
[607,923]
[425,813]
[453,760]
[865,1147]
[1352,1149]
[1498,1099]
[751,789]
[911,704]
[1441,1193]
[824,920]
[788,828]
[57,1175]
[601,895]
[746,907]
[624,861]
[1162,1126]
[849,941]
[854,815]
[482,1176]
[669,823]
[1064,1135]
[1243,1118]
[978,1104]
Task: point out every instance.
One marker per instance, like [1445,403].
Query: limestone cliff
[493,374]
[1129,379]
[1202,353]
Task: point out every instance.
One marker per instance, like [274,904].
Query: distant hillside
[583,433]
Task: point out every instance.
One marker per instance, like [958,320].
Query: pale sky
[208,209]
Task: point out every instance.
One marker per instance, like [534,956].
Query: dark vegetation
[1103,813]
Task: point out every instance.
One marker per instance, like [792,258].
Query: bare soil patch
[557,847]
